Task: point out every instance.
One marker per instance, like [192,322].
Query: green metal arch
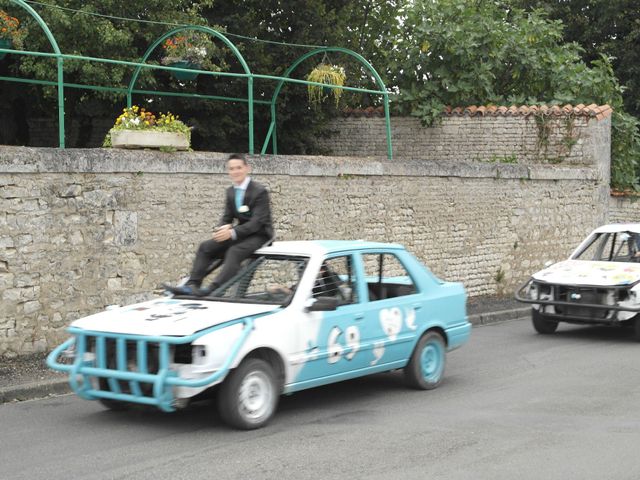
[227,42]
[41,22]
[271,134]
[61,85]
[60,63]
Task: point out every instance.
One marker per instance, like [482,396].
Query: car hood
[581,272]
[168,316]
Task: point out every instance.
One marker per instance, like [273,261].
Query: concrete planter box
[148,139]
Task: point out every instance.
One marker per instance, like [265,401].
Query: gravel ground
[492,304]
[26,369]
[32,368]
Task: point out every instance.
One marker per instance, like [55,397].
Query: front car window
[336,278]
[266,279]
[612,247]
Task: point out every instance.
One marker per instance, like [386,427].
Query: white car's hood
[168,316]
[582,272]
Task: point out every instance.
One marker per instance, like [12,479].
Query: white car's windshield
[271,279]
[612,247]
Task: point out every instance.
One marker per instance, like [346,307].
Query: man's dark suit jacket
[256,221]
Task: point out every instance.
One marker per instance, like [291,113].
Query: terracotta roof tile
[595,111]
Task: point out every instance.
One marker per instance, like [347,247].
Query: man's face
[238,170]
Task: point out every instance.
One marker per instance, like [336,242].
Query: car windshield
[611,247]
[270,279]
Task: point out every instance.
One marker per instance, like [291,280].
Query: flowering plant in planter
[11,35]
[329,75]
[191,49]
[164,130]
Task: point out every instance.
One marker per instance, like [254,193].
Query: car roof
[618,227]
[323,247]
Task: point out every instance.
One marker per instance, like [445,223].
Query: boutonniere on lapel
[243,209]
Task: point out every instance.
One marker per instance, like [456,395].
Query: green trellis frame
[130,90]
[271,134]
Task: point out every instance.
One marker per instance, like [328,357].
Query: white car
[599,284]
[300,315]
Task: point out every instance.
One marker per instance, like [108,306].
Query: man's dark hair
[238,156]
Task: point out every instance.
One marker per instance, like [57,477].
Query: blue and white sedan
[299,315]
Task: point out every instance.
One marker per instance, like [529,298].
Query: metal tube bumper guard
[521,298]
[83,370]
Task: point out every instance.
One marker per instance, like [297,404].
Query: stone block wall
[82,229]
[624,209]
[570,140]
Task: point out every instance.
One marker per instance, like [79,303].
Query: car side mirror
[322,304]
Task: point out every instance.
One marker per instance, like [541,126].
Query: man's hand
[222,233]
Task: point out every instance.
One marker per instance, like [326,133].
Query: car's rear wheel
[249,395]
[542,324]
[426,366]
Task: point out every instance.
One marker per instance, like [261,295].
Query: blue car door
[393,310]
[337,351]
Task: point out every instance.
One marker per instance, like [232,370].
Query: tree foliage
[97,35]
[360,25]
[612,29]
[603,27]
[481,51]
[463,52]
[357,24]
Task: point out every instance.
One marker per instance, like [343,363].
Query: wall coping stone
[101,160]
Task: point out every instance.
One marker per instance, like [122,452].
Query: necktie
[238,197]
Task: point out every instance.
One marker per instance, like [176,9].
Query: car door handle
[417,306]
[359,316]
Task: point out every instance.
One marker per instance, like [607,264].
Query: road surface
[513,405]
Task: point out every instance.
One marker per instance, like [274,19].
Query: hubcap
[256,395]
[431,361]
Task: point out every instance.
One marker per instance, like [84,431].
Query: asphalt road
[513,405]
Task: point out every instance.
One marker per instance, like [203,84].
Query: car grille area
[581,298]
[131,356]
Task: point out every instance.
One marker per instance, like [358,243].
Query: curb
[44,388]
[499,316]
[29,391]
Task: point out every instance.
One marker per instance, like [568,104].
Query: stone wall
[624,209]
[82,229]
[532,139]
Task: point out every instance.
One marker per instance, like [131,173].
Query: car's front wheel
[636,328]
[426,366]
[249,395]
[114,405]
[542,324]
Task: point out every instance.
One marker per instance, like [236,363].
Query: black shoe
[204,291]
[188,289]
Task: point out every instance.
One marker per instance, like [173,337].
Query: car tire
[249,395]
[114,405]
[426,365]
[542,324]
[636,328]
